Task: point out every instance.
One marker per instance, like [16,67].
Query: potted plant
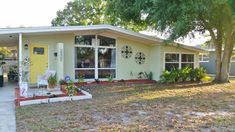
[63,84]
[51,81]
[71,89]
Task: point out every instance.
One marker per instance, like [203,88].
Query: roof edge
[47,29]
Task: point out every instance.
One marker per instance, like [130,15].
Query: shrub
[170,76]
[149,75]
[199,73]
[72,89]
[145,75]
[182,75]
[166,77]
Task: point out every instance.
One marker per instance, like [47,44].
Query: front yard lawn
[157,107]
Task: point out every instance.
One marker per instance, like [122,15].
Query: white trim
[84,46]
[232,59]
[116,59]
[20,57]
[180,59]
[96,57]
[194,63]
[48,57]
[106,47]
[85,68]
[75,28]
[57,99]
[106,68]
[203,57]
[105,27]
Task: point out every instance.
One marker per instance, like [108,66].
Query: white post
[20,57]
[96,57]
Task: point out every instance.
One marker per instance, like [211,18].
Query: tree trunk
[217,41]
[225,68]
[218,63]
[228,49]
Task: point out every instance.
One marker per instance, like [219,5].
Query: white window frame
[96,46]
[107,47]
[180,59]
[187,62]
[202,60]
[172,61]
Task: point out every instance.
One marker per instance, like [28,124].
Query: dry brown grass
[179,107]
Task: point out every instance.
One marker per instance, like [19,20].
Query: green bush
[199,73]
[182,75]
[72,89]
[170,76]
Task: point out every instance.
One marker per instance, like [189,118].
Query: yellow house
[95,52]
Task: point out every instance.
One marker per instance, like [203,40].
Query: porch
[9,59]
[7,108]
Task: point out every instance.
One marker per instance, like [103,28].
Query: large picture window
[95,57]
[178,61]
[85,40]
[85,57]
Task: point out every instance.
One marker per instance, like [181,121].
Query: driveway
[7,108]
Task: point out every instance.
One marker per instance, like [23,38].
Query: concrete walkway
[7,108]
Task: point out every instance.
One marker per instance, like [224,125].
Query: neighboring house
[95,52]
[208,61]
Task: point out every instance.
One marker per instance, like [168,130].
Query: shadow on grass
[213,99]
[132,90]
[183,85]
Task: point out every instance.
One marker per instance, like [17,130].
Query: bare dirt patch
[177,107]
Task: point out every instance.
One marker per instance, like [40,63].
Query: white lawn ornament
[24,89]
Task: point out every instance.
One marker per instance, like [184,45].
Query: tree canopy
[91,12]
[182,17]
[178,17]
[81,12]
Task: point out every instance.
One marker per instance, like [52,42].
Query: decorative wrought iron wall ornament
[140,58]
[126,52]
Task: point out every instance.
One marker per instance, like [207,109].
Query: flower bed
[132,81]
[107,83]
[22,101]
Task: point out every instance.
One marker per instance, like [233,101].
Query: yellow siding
[154,55]
[126,66]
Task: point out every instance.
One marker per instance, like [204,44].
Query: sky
[32,13]
[197,40]
[15,13]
